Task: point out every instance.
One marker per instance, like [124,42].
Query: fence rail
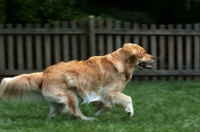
[30,48]
[33,31]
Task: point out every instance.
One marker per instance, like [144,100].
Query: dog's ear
[128,45]
[140,53]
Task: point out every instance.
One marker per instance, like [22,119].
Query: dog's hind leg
[65,99]
[59,97]
[55,109]
[73,106]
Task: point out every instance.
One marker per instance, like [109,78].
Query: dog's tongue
[148,66]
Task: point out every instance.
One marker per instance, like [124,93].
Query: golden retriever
[100,80]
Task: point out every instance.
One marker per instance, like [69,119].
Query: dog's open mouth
[145,65]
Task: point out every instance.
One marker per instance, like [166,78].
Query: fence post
[196,50]
[100,38]
[10,48]
[92,36]
[188,46]
[2,50]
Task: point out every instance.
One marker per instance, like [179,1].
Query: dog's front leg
[125,102]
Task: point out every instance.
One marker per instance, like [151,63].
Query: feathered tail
[24,87]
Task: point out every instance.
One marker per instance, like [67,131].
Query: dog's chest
[91,97]
[129,73]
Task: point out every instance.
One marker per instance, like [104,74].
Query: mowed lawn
[160,106]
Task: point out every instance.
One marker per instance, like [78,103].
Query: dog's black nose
[153,57]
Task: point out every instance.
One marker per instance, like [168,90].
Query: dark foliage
[143,11]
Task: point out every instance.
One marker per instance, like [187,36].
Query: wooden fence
[30,48]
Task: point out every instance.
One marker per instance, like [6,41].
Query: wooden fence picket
[171,51]
[153,49]
[118,38]
[10,47]
[2,50]
[74,43]
[65,43]
[179,60]
[144,43]
[136,37]
[29,49]
[91,32]
[100,37]
[127,38]
[83,40]
[56,45]
[47,45]
[20,49]
[162,51]
[109,38]
[136,40]
[38,51]
[188,51]
[197,50]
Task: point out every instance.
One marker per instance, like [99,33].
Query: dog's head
[138,55]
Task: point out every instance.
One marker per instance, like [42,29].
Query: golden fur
[100,80]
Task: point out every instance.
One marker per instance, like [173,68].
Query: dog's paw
[129,110]
[130,115]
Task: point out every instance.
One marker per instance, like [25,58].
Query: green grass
[161,106]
